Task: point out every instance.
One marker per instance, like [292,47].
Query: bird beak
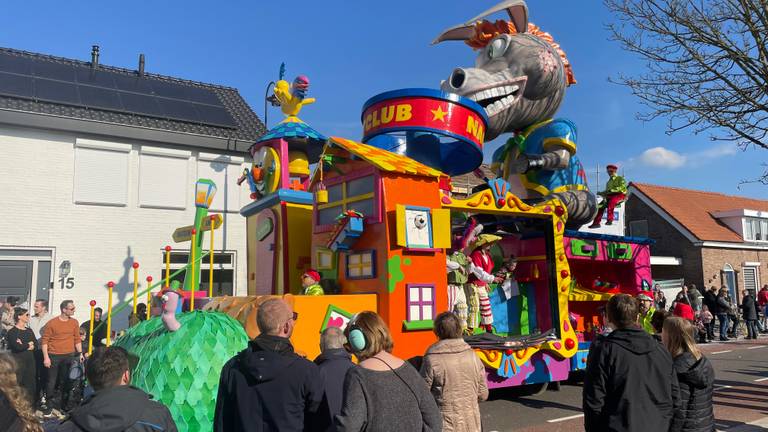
[258,174]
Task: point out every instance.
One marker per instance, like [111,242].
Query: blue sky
[354,50]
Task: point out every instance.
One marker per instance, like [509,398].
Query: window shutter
[101,174]
[163,179]
[400,225]
[441,228]
[750,278]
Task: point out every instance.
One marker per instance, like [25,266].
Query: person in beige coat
[455,376]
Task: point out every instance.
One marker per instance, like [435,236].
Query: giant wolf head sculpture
[520,73]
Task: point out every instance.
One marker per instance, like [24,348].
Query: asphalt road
[741,395]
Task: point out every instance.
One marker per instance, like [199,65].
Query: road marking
[722,352]
[721,387]
[756,347]
[557,420]
[761,379]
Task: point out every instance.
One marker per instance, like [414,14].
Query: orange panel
[312,311]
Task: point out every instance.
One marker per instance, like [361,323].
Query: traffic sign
[184,234]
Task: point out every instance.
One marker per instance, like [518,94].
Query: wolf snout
[458,78]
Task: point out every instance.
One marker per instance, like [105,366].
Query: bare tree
[706,64]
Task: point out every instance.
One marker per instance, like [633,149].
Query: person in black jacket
[334,362]
[268,387]
[630,384]
[22,343]
[749,313]
[722,309]
[695,375]
[710,300]
[116,405]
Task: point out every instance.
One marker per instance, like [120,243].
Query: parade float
[376,219]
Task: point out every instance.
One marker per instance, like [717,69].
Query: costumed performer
[457,264]
[481,274]
[310,281]
[614,194]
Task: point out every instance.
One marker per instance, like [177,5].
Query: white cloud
[662,158]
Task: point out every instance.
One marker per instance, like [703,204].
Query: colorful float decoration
[376,219]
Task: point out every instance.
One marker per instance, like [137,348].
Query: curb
[760,425]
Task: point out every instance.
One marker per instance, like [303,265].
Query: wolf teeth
[499,105]
[494,92]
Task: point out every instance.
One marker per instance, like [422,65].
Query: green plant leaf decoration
[181,369]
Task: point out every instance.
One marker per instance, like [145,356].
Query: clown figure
[481,268]
[310,282]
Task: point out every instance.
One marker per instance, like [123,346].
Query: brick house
[705,238]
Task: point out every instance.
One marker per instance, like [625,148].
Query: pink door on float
[266,225]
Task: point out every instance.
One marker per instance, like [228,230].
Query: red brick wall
[701,266]
[716,258]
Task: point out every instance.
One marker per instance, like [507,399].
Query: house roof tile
[694,209]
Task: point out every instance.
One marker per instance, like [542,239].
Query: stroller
[74,388]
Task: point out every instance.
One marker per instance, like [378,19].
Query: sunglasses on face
[295,316]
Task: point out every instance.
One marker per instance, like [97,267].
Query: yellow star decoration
[439,114]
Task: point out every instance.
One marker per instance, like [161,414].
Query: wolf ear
[518,14]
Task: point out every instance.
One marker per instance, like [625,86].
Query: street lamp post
[204,191]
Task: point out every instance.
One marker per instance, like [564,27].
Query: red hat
[609,166]
[645,295]
[313,274]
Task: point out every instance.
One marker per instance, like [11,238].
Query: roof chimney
[95,57]
[141,65]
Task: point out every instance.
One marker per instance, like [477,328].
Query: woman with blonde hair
[455,376]
[15,412]
[383,393]
[694,374]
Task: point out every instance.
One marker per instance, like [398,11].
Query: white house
[97,169]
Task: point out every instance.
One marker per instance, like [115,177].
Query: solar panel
[94,97]
[170,90]
[206,96]
[70,84]
[178,110]
[56,91]
[136,103]
[15,85]
[15,64]
[95,77]
[215,115]
[132,83]
[52,70]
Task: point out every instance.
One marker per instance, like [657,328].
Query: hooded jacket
[456,378]
[333,365]
[697,379]
[630,384]
[119,409]
[268,387]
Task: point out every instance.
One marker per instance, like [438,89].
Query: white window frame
[205,265]
[756,269]
[754,227]
[419,302]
